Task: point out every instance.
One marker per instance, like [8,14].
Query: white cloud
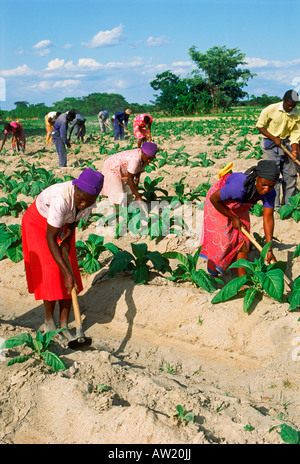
[42,44]
[67,83]
[68,46]
[106,38]
[55,64]
[157,41]
[261,63]
[182,64]
[88,63]
[43,47]
[22,70]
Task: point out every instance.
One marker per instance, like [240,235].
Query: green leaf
[119,262]
[230,289]
[180,411]
[53,360]
[203,280]
[296,215]
[285,211]
[6,239]
[17,340]
[263,254]
[249,298]
[91,264]
[139,249]
[18,359]
[297,252]
[274,284]
[294,298]
[15,252]
[141,274]
[176,255]
[289,435]
[158,261]
[243,263]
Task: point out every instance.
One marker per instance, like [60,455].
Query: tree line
[216,84]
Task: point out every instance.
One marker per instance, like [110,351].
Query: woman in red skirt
[48,224]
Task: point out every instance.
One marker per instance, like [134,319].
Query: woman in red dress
[48,224]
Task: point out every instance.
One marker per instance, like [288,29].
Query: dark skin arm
[133,185]
[277,140]
[268,219]
[55,250]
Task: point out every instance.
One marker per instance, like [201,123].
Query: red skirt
[44,278]
[220,241]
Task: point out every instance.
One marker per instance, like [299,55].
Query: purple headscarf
[149,148]
[90,181]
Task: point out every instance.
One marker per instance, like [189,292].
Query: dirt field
[155,346]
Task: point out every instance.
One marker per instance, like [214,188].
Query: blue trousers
[119,131]
[288,185]
[61,151]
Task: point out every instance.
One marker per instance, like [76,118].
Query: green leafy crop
[39,347]
[260,278]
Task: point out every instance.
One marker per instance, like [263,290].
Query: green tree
[223,70]
[178,96]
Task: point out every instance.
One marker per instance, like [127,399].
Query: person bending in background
[103,119]
[48,224]
[226,210]
[78,126]
[18,136]
[122,172]
[59,135]
[142,128]
[50,119]
[280,123]
[120,123]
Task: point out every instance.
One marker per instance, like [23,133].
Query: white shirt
[56,204]
[51,115]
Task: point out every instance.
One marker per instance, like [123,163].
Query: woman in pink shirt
[122,172]
[142,128]
[18,136]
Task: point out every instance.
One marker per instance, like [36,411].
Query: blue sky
[52,50]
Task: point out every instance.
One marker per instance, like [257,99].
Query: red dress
[220,240]
[44,278]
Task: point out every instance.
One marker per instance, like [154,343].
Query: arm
[52,234]
[267,134]
[268,222]
[133,185]
[222,208]
[3,142]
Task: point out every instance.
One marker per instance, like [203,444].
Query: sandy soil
[155,346]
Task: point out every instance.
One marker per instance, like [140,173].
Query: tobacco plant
[10,206]
[292,210]
[11,242]
[88,252]
[260,277]
[39,347]
[137,261]
[187,271]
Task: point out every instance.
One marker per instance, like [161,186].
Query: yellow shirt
[280,123]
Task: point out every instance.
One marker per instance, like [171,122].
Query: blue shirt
[61,127]
[234,189]
[122,116]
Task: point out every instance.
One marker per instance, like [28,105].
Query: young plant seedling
[183,418]
[39,347]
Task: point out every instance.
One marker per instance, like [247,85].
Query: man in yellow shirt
[280,123]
